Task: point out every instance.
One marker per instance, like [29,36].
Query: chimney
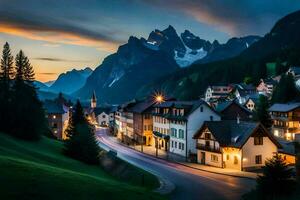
[238,119]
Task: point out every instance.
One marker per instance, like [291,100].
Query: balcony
[208,148]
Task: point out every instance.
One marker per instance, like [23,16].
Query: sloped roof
[141,106]
[284,107]
[100,110]
[295,69]
[53,107]
[224,105]
[229,133]
[188,106]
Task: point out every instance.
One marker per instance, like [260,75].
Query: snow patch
[189,57]
[247,45]
[117,77]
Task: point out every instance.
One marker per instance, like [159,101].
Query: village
[217,131]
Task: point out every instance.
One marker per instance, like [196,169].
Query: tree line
[21,112]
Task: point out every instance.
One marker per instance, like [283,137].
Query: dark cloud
[58,59]
[236,17]
[41,23]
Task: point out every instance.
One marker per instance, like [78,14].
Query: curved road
[189,183]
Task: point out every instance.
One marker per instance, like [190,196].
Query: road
[189,184]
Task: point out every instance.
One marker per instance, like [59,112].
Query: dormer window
[201,109]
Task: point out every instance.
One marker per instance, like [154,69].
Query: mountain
[41,86]
[141,61]
[123,73]
[49,83]
[231,48]
[280,47]
[70,81]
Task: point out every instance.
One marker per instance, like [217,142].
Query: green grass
[38,170]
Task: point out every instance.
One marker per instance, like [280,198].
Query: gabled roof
[142,106]
[53,107]
[188,106]
[253,97]
[224,105]
[229,133]
[100,110]
[284,107]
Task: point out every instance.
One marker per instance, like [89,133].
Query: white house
[175,123]
[234,144]
[217,91]
[102,116]
[266,87]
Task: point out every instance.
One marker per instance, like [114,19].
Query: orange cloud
[58,37]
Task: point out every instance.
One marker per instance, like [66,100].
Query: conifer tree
[81,143]
[261,113]
[29,115]
[6,75]
[286,90]
[276,179]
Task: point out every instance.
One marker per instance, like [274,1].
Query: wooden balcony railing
[208,148]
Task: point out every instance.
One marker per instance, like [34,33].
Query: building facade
[175,122]
[286,120]
[234,144]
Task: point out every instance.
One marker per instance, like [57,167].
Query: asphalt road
[188,183]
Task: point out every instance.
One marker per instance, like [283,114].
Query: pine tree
[286,90]
[7,70]
[6,75]
[261,113]
[81,143]
[276,179]
[28,71]
[29,117]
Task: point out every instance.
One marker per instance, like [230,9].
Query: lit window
[258,140]
[54,117]
[236,160]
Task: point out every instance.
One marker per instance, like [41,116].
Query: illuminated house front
[286,120]
[57,115]
[234,144]
[175,123]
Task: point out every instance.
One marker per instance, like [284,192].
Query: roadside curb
[180,163]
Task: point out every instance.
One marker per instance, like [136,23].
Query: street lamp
[159,98]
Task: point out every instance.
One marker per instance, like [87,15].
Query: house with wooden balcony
[234,144]
[175,123]
[286,120]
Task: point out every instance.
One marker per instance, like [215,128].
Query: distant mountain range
[66,83]
[279,47]
[142,61]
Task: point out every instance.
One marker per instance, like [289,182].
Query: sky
[59,35]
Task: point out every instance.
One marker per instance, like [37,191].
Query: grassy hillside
[38,170]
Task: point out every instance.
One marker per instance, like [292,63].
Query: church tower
[94,100]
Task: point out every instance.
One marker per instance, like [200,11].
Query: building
[175,123]
[143,121]
[252,101]
[230,110]
[102,115]
[286,120]
[266,87]
[234,144]
[294,71]
[217,91]
[124,121]
[57,115]
[94,100]
[242,90]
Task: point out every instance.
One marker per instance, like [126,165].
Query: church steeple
[94,100]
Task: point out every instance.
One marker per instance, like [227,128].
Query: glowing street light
[159,98]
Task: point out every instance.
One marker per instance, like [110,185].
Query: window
[258,159]
[172,144]
[182,146]
[201,109]
[227,157]
[211,118]
[179,145]
[175,144]
[236,160]
[175,132]
[181,134]
[207,136]
[214,158]
[258,140]
[207,144]
[145,127]
[103,116]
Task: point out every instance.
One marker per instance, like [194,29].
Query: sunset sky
[60,35]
